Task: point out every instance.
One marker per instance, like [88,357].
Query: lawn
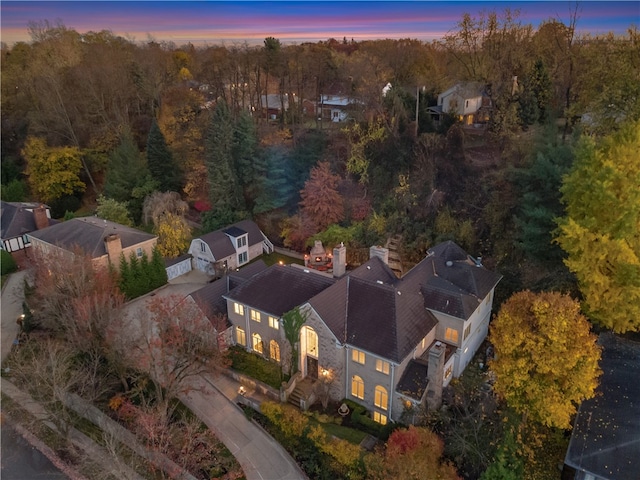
[273,258]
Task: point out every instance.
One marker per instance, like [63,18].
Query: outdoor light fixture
[242,390]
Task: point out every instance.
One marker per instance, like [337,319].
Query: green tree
[111,209]
[14,191]
[292,323]
[127,169]
[7,263]
[600,232]
[274,186]
[53,172]
[160,162]
[546,357]
[243,153]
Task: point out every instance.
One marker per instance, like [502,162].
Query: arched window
[274,351]
[357,387]
[381,398]
[257,343]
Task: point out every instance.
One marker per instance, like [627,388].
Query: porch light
[325,372]
[242,390]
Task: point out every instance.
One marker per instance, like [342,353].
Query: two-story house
[20,218]
[229,248]
[391,343]
[469,102]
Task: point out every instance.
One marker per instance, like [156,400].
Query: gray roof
[374,315]
[606,435]
[451,282]
[210,298]
[221,245]
[279,289]
[88,233]
[16,219]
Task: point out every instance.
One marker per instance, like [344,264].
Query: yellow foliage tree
[53,172]
[174,235]
[546,357]
[601,231]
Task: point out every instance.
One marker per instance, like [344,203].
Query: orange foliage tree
[321,203]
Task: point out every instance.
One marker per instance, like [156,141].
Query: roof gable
[220,243]
[17,219]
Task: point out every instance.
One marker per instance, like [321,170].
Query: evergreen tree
[135,289]
[126,277]
[158,269]
[127,169]
[146,274]
[274,186]
[162,166]
[245,141]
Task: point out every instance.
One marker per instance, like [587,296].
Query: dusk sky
[209,22]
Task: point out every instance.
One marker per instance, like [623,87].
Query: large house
[229,248]
[20,218]
[388,343]
[104,241]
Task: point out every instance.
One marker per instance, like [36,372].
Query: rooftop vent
[379,281]
[306,270]
[449,263]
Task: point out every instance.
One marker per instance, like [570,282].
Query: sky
[209,22]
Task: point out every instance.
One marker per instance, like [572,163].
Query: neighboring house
[390,343]
[334,108]
[20,218]
[273,104]
[605,441]
[176,267]
[229,248]
[102,240]
[469,102]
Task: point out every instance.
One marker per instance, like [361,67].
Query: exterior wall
[478,324]
[241,321]
[147,247]
[203,259]
[45,250]
[179,269]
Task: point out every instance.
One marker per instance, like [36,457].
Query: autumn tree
[321,202]
[174,235]
[176,344]
[53,172]
[361,140]
[600,230]
[160,161]
[412,453]
[161,203]
[546,357]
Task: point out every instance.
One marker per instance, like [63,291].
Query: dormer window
[242,241]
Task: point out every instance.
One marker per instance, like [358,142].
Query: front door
[312,367]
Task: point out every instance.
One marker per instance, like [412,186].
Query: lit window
[241,338]
[381,398]
[239,309]
[274,323]
[382,366]
[451,335]
[449,371]
[255,315]
[257,342]
[380,418]
[357,387]
[467,331]
[274,351]
[357,356]
[424,341]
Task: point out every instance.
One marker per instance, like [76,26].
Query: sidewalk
[213,400]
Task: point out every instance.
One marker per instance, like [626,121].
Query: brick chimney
[435,373]
[41,217]
[113,245]
[339,260]
[380,252]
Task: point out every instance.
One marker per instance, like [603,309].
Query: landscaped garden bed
[256,367]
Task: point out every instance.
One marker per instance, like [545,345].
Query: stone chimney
[41,217]
[113,245]
[435,373]
[380,252]
[339,260]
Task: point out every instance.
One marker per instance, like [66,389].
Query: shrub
[7,263]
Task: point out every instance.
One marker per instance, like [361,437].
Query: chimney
[113,245]
[339,260]
[380,252]
[435,373]
[41,217]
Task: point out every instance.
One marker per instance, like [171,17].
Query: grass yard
[273,258]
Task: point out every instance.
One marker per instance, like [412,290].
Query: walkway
[12,298]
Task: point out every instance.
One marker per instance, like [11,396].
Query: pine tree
[162,166]
[159,271]
[127,169]
[125,282]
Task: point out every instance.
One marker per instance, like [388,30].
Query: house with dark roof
[17,219]
[389,343]
[229,248]
[605,441]
[104,241]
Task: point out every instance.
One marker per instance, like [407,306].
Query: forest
[183,140]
